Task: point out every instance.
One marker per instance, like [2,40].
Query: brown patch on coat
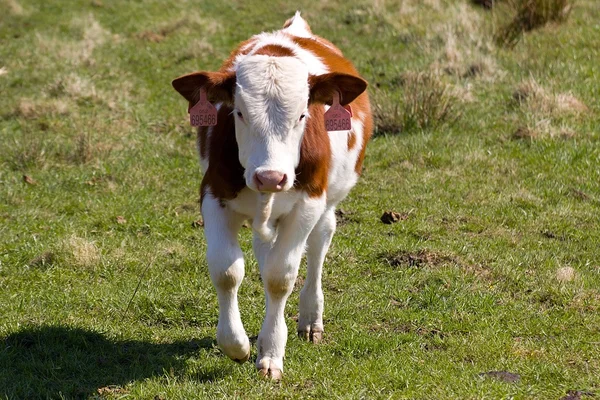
[275,50]
[224,176]
[202,139]
[351,140]
[332,57]
[315,154]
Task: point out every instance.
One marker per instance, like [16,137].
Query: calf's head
[270,97]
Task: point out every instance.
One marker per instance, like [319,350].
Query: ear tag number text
[338,118]
[203,113]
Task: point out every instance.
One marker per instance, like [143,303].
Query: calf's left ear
[323,87]
[217,85]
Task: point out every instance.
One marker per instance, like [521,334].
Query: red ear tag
[338,118]
[203,113]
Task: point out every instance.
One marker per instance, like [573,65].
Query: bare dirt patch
[390,217]
[577,395]
[425,258]
[46,259]
[343,217]
[29,180]
[419,259]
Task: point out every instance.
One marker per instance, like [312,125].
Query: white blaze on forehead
[274,91]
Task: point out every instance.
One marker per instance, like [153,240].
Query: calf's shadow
[65,362]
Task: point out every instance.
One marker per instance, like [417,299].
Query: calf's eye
[239,114]
[302,117]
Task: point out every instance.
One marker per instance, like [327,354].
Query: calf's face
[270,98]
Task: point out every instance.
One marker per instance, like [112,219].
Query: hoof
[311,335]
[273,374]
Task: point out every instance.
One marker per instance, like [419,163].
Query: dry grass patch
[519,16]
[532,95]
[79,52]
[32,109]
[542,129]
[541,109]
[468,49]
[83,89]
[565,274]
[82,252]
[14,7]
[426,102]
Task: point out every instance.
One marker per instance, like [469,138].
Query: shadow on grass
[54,361]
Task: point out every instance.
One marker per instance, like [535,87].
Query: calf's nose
[270,181]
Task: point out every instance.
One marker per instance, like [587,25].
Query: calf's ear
[218,86]
[322,87]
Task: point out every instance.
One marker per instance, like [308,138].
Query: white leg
[279,274]
[226,267]
[310,320]
[261,250]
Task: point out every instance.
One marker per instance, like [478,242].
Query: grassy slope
[87,111]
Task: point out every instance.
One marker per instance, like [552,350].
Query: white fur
[313,63]
[226,267]
[272,93]
[298,27]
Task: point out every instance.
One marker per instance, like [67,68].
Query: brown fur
[351,140]
[315,154]
[274,50]
[224,176]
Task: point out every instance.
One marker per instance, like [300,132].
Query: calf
[270,159]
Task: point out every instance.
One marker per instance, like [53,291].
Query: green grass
[468,283]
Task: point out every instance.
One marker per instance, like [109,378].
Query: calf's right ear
[217,85]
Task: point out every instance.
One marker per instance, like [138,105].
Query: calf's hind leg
[226,267]
[310,319]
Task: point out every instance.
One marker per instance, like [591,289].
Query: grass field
[490,152]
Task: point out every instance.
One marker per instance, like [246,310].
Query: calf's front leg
[278,271]
[226,267]
[310,318]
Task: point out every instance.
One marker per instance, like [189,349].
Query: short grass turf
[493,266]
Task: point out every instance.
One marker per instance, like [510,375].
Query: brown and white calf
[270,159]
